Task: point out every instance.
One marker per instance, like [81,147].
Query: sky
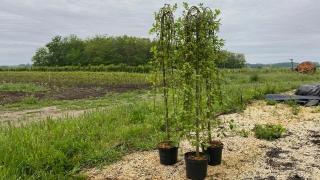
[266,31]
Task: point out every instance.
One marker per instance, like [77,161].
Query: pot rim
[171,144]
[193,152]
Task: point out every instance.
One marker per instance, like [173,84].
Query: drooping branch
[165,45]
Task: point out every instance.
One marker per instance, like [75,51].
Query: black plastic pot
[214,153]
[196,169]
[168,155]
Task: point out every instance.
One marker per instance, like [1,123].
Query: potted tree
[163,50]
[212,77]
[198,48]
[192,40]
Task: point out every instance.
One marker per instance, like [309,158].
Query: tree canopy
[231,60]
[100,50]
[107,50]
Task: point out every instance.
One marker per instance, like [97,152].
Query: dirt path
[295,156]
[20,117]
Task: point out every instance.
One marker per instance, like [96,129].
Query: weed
[295,108]
[232,125]
[243,133]
[254,78]
[268,131]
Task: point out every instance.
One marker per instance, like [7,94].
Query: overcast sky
[266,31]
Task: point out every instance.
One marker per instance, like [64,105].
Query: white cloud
[266,31]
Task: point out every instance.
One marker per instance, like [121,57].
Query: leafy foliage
[164,58]
[268,131]
[231,60]
[100,50]
[254,78]
[106,50]
[198,48]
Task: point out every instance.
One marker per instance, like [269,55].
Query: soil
[216,144]
[294,156]
[69,93]
[165,145]
[12,97]
[22,117]
[192,156]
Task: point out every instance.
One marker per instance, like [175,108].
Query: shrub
[254,78]
[268,131]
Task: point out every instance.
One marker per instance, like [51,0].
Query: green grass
[238,88]
[60,149]
[21,87]
[75,78]
[110,99]
[268,131]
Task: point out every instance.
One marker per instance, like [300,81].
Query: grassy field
[81,79]
[23,90]
[21,87]
[60,149]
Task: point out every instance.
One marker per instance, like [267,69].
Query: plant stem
[164,78]
[198,102]
[209,100]
[209,132]
[197,110]
[165,94]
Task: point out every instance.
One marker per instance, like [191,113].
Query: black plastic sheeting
[309,90]
[308,95]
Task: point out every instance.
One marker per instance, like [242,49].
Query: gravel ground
[293,157]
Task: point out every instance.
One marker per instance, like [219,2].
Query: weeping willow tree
[164,58]
[212,74]
[198,48]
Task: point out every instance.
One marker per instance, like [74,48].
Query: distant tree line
[231,60]
[109,50]
[100,50]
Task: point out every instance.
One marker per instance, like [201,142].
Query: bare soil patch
[22,117]
[12,97]
[69,93]
[294,156]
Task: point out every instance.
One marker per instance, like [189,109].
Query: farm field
[62,125]
[154,90]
